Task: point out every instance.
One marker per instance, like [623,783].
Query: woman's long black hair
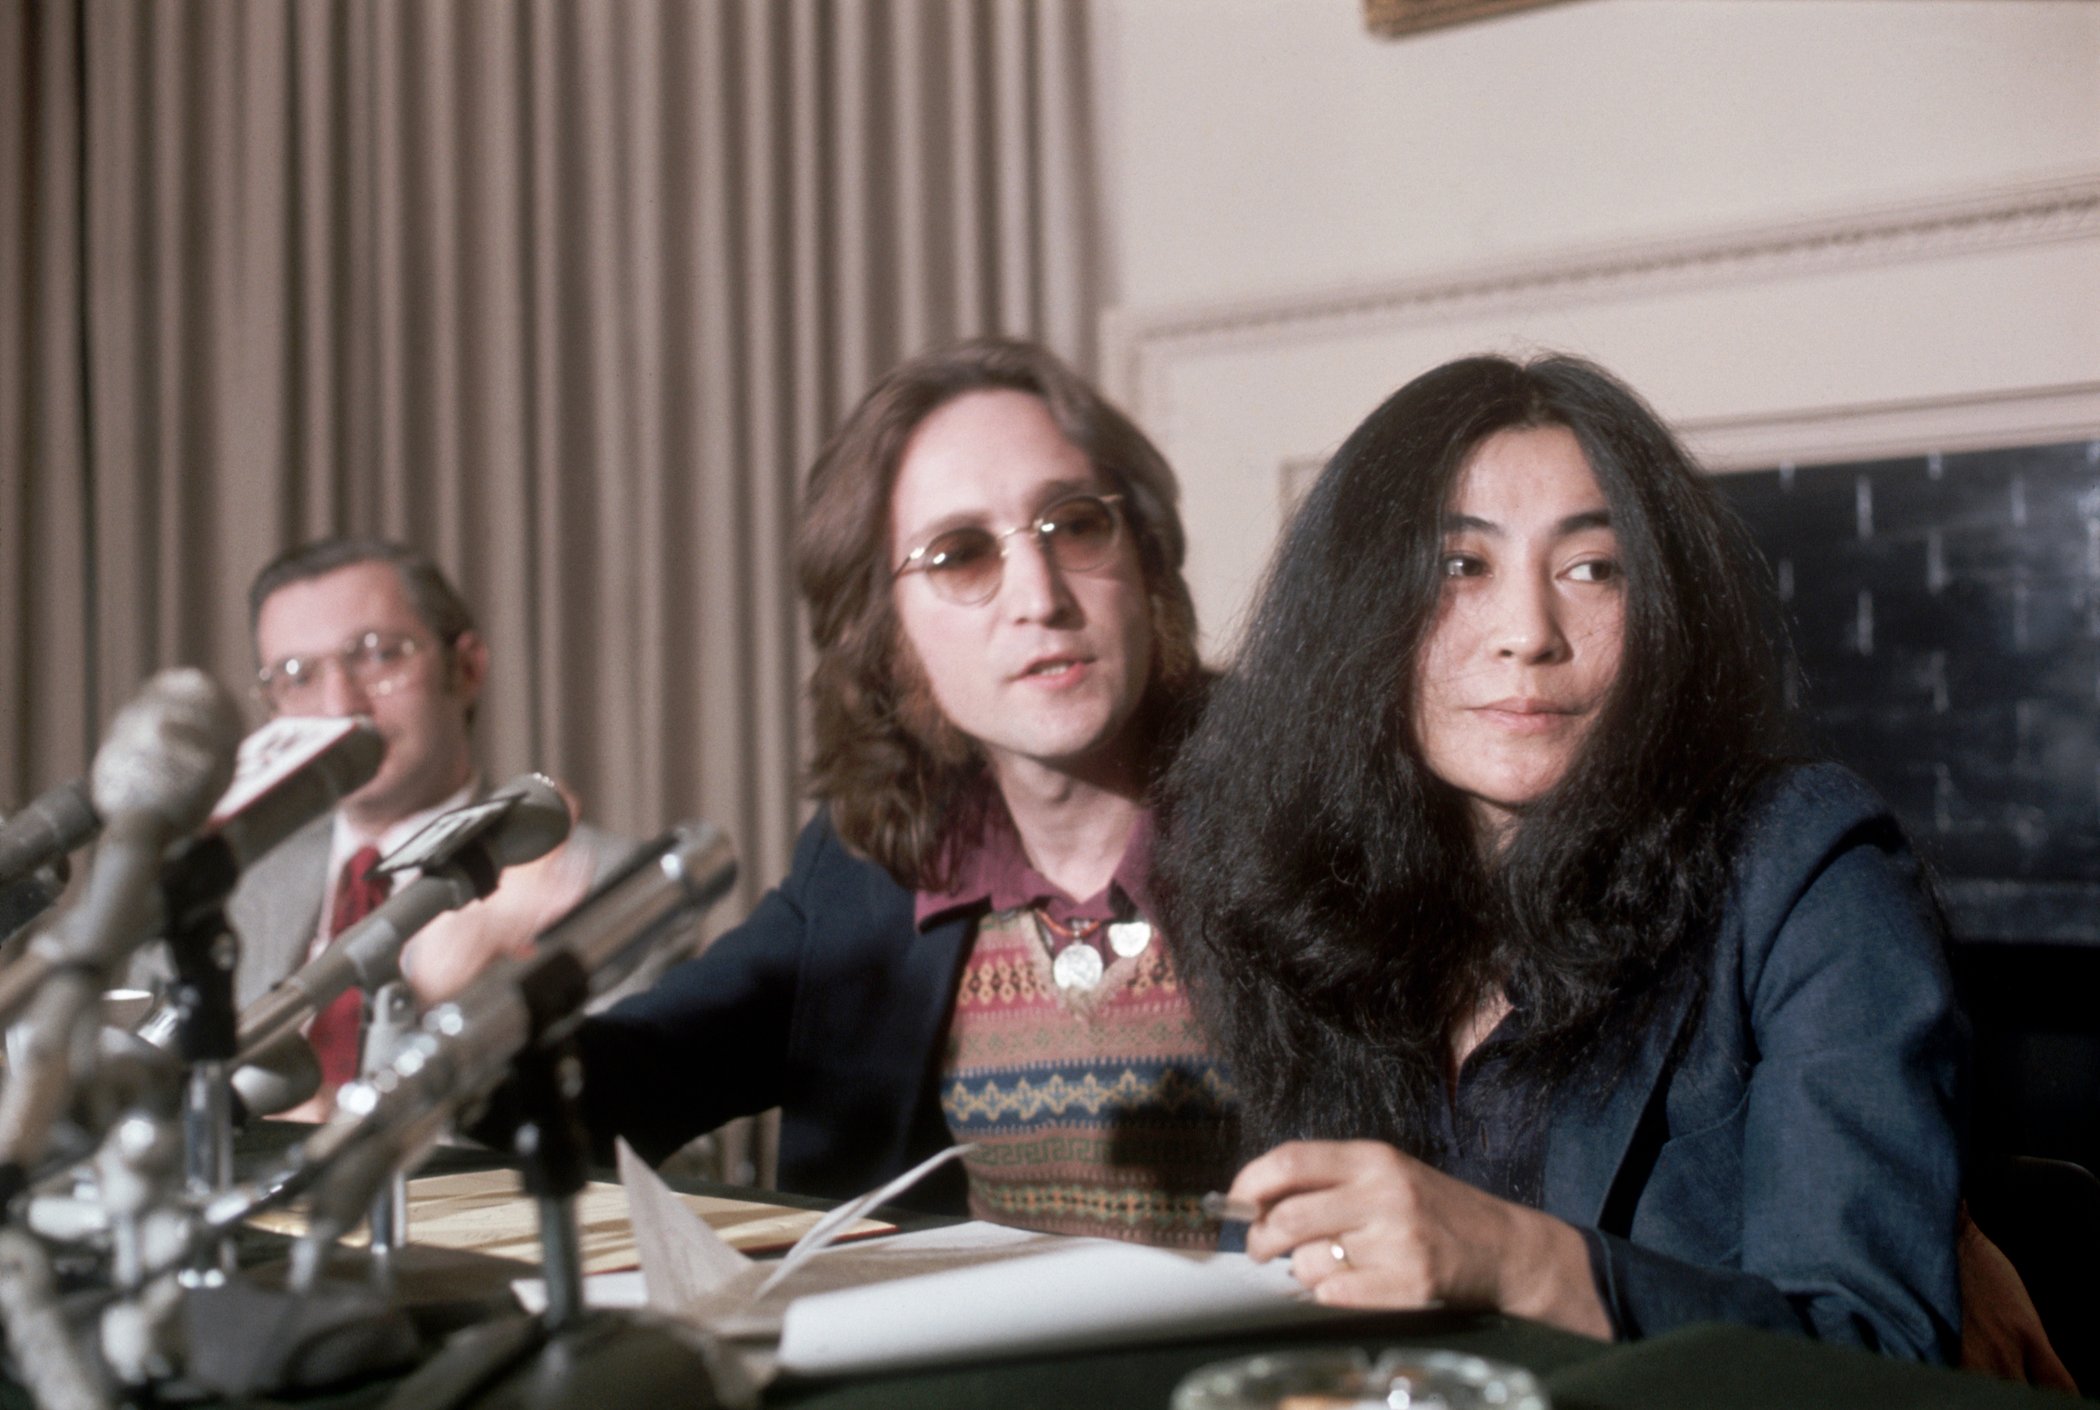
[1331,907]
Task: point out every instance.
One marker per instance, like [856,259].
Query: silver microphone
[167,755]
[465,1046]
[277,1076]
[48,827]
[33,847]
[459,856]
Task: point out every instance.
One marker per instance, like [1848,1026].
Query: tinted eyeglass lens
[1079,533]
[288,685]
[965,564]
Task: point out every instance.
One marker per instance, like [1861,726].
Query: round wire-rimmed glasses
[966,565]
[377,662]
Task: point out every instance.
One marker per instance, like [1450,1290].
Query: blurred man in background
[370,627]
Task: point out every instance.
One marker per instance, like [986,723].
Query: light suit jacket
[275,911]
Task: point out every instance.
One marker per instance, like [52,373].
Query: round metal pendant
[1129,937]
[1077,966]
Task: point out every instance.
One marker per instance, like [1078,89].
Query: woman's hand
[1366,1226]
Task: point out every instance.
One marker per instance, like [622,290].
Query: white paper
[682,1259]
[599,1290]
[948,1294]
[826,1231]
[1090,1293]
[895,1256]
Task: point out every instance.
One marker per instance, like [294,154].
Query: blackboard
[1946,613]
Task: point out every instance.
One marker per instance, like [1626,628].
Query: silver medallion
[1077,966]
[1129,937]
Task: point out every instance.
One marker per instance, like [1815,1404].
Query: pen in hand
[1223,1207]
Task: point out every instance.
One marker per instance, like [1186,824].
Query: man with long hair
[965,947]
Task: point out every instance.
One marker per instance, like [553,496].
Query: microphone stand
[556,1155]
[203,948]
[567,1358]
[393,1010]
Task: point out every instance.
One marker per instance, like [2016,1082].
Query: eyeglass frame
[391,669]
[914,561]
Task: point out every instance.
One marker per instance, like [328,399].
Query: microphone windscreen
[47,828]
[169,753]
[23,901]
[278,1077]
[537,823]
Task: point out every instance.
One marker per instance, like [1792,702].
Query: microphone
[277,1076]
[43,832]
[465,1046]
[23,901]
[288,773]
[49,1359]
[281,777]
[33,848]
[459,855]
[167,755]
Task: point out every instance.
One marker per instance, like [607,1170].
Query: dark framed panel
[1946,613]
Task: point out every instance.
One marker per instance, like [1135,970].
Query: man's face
[419,697]
[1047,671]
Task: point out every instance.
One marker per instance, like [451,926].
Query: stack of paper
[943,1295]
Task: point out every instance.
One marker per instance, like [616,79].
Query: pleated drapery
[567,293]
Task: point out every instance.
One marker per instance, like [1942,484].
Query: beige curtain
[568,293]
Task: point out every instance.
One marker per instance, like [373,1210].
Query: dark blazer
[825,1002]
[1785,1149]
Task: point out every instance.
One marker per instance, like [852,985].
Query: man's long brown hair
[898,777]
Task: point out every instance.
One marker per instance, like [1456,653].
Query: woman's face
[1530,625]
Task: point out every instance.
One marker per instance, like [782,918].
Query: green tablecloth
[1710,1367]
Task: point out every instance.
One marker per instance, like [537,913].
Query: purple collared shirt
[995,875]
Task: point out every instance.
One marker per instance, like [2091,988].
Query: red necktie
[334,1032]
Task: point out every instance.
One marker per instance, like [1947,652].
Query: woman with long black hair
[1549,981]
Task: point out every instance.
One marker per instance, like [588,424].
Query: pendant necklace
[1075,960]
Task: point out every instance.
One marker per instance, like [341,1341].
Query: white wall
[1803,229]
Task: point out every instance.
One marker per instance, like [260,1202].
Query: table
[1714,1367]
[1717,1367]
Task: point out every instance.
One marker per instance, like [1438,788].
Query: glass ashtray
[1350,1379]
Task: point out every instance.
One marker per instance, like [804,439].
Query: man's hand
[444,956]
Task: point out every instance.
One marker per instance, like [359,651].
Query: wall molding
[1141,346]
[1826,435]
[1986,421]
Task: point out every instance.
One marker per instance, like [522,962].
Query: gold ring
[1339,1254]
